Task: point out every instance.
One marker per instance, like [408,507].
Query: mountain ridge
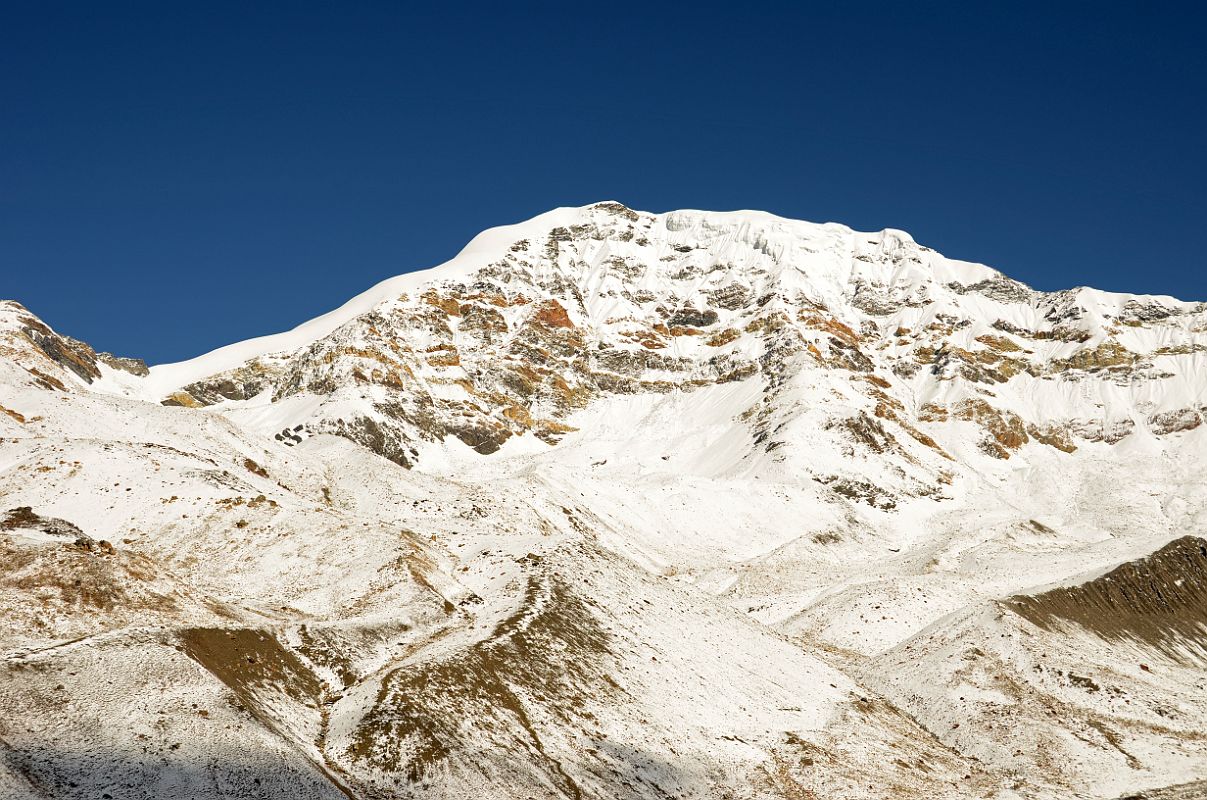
[843,296]
[628,506]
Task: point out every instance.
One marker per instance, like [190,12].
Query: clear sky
[176,176]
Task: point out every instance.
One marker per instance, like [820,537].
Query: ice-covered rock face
[28,342]
[616,504]
[895,348]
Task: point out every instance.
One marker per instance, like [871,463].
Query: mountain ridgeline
[618,504]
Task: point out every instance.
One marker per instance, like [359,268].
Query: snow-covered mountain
[617,504]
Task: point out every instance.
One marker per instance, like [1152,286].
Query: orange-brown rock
[1053,435]
[551,314]
[15,415]
[724,337]
[1005,430]
[449,305]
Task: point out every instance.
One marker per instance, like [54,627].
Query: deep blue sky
[176,176]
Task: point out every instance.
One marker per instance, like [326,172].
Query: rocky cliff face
[617,504]
[904,352]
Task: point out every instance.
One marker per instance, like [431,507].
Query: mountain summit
[618,504]
[533,322]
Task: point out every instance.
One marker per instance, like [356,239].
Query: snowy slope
[617,504]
